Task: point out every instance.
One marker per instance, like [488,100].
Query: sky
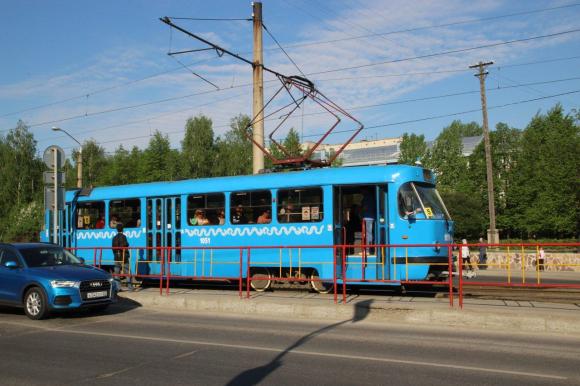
[100,69]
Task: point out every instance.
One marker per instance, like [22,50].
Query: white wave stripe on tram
[212,232]
[255,231]
[106,235]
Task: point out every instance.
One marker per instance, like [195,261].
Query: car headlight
[64,283]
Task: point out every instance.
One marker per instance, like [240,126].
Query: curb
[529,320]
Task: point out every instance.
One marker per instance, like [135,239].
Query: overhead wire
[283,50]
[94,92]
[444,25]
[433,117]
[448,52]
[433,97]
[455,114]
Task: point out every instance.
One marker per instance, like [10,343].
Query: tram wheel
[261,279]
[319,286]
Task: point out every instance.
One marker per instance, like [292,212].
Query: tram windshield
[421,201]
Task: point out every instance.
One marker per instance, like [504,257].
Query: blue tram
[305,212]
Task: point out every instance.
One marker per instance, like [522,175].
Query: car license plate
[99,294]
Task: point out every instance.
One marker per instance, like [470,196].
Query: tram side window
[91,215]
[300,205]
[126,212]
[251,207]
[206,209]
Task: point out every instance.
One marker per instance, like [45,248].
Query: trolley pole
[258,101]
[492,233]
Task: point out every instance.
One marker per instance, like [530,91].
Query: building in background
[376,152]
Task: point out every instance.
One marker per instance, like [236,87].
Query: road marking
[314,353]
[187,354]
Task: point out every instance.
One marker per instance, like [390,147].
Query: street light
[79,160]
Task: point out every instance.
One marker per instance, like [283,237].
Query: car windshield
[48,256]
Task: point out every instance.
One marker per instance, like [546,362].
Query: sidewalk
[500,315]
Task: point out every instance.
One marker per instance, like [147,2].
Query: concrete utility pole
[258,105]
[79,158]
[492,233]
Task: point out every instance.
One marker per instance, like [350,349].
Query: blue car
[43,278]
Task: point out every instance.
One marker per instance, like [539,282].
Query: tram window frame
[210,203]
[130,218]
[92,211]
[298,210]
[423,202]
[254,203]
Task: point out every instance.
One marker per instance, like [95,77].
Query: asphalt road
[129,345]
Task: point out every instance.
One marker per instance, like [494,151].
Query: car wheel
[35,304]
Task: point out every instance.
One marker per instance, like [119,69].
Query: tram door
[164,229]
[351,205]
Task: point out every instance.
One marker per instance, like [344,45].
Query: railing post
[248,274]
[334,254]
[522,262]
[168,271]
[344,278]
[406,263]
[395,277]
[241,272]
[538,263]
[509,265]
[161,272]
[460,273]
[450,276]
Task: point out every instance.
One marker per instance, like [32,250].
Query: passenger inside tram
[265,217]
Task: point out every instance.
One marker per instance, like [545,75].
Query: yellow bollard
[280,262]
[522,262]
[383,251]
[537,265]
[299,261]
[211,262]
[395,264]
[509,266]
[203,262]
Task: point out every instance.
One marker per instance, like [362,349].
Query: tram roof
[314,177]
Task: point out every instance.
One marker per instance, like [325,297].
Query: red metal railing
[164,261]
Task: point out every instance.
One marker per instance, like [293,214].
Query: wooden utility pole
[492,234]
[258,105]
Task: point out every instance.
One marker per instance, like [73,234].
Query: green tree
[234,150]
[159,160]
[544,200]
[197,147]
[467,213]
[412,148]
[94,163]
[20,186]
[119,171]
[292,143]
[505,147]
[446,156]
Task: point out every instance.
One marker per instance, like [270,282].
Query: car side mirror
[11,265]
[82,260]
